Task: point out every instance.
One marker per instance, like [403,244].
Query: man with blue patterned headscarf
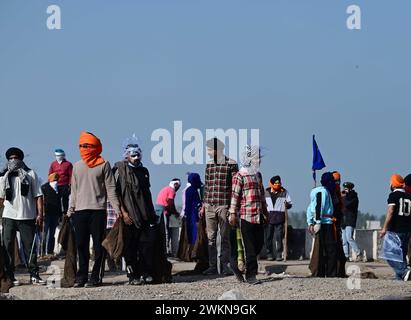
[143,237]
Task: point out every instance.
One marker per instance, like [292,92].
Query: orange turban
[397,181]
[54,177]
[90,149]
[336,176]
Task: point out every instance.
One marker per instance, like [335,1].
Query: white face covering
[174,184]
[59,159]
[53,184]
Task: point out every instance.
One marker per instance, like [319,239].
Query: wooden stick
[285,250]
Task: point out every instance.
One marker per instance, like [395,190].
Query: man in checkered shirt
[217,196]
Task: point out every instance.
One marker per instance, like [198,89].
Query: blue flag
[318,162]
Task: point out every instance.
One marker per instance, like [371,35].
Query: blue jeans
[50,224]
[348,241]
[400,268]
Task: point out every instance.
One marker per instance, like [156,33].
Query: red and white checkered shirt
[111,216]
[247,197]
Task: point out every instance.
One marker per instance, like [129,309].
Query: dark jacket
[133,187]
[52,200]
[114,241]
[350,209]
[68,243]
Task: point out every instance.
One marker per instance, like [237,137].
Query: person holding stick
[20,193]
[278,202]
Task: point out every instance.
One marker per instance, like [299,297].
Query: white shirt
[21,207]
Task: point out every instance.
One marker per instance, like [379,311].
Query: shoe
[358,258]
[135,282]
[79,284]
[252,280]
[35,279]
[279,259]
[147,279]
[93,284]
[15,282]
[210,271]
[270,258]
[407,276]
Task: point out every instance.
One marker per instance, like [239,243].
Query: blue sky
[288,68]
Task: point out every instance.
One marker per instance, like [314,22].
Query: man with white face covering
[64,168]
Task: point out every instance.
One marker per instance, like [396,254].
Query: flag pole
[315,179]
[285,246]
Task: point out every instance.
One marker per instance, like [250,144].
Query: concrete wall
[369,243]
[301,242]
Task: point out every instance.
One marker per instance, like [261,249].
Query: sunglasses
[86,146]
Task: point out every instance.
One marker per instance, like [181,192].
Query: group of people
[331,217]
[95,198]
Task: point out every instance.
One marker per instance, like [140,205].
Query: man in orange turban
[398,223]
[90,149]
[397,181]
[92,184]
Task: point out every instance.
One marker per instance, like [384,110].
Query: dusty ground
[281,280]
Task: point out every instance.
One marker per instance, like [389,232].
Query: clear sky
[288,68]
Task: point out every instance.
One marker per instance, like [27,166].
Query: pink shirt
[165,194]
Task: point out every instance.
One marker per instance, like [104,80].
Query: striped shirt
[248,197]
[218,182]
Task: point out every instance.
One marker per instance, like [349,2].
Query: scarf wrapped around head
[90,149]
[132,147]
[60,155]
[397,182]
[175,183]
[195,180]
[15,168]
[250,160]
[337,177]
[328,182]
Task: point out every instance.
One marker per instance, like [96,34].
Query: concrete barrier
[300,243]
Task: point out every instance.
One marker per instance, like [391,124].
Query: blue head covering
[195,180]
[59,152]
[328,182]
